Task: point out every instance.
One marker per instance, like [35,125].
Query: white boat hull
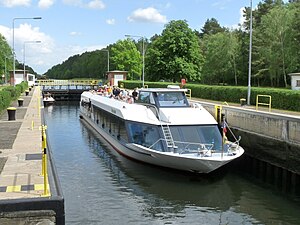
[48,101]
[186,162]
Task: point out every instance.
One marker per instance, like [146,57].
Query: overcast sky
[70,27]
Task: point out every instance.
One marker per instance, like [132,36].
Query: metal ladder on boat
[165,128]
[168,136]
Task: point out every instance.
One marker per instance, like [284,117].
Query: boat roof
[143,114]
[163,90]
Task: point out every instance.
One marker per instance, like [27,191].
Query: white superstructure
[160,128]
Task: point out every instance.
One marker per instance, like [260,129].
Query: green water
[102,187]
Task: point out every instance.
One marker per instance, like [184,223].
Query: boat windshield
[186,138]
[196,136]
[172,99]
[144,134]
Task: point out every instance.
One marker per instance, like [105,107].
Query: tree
[125,56]
[275,40]
[210,27]
[294,8]
[175,54]
[87,65]
[220,58]
[6,57]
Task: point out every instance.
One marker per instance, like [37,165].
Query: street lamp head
[132,36]
[28,42]
[37,18]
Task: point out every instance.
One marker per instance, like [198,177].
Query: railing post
[39,101]
[44,161]
[218,114]
[189,93]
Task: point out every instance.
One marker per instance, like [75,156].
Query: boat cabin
[163,97]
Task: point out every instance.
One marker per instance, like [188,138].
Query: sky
[70,27]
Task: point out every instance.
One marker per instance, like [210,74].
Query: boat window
[144,97]
[151,99]
[195,135]
[122,134]
[111,123]
[145,135]
[172,99]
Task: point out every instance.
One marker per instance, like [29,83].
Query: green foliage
[175,54]
[13,92]
[276,50]
[126,57]
[87,65]
[5,99]
[138,84]
[212,56]
[220,52]
[281,98]
[10,93]
[5,56]
[20,66]
[211,27]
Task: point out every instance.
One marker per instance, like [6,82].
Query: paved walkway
[21,150]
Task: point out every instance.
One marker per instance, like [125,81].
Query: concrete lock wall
[274,126]
[271,137]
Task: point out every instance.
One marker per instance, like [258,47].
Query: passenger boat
[161,128]
[48,99]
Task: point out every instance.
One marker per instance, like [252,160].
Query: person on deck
[135,94]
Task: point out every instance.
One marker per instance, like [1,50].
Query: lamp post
[106,50]
[19,18]
[250,57]
[25,42]
[143,55]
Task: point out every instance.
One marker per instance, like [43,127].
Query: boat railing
[189,147]
[236,140]
[159,140]
[151,106]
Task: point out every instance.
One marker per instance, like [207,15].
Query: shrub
[5,99]
[11,93]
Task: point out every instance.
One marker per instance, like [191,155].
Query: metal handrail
[202,147]
[66,82]
[262,103]
[237,140]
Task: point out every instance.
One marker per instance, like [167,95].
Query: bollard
[20,102]
[29,88]
[218,113]
[243,101]
[27,92]
[11,113]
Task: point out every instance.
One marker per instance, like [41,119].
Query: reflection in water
[102,187]
[49,109]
